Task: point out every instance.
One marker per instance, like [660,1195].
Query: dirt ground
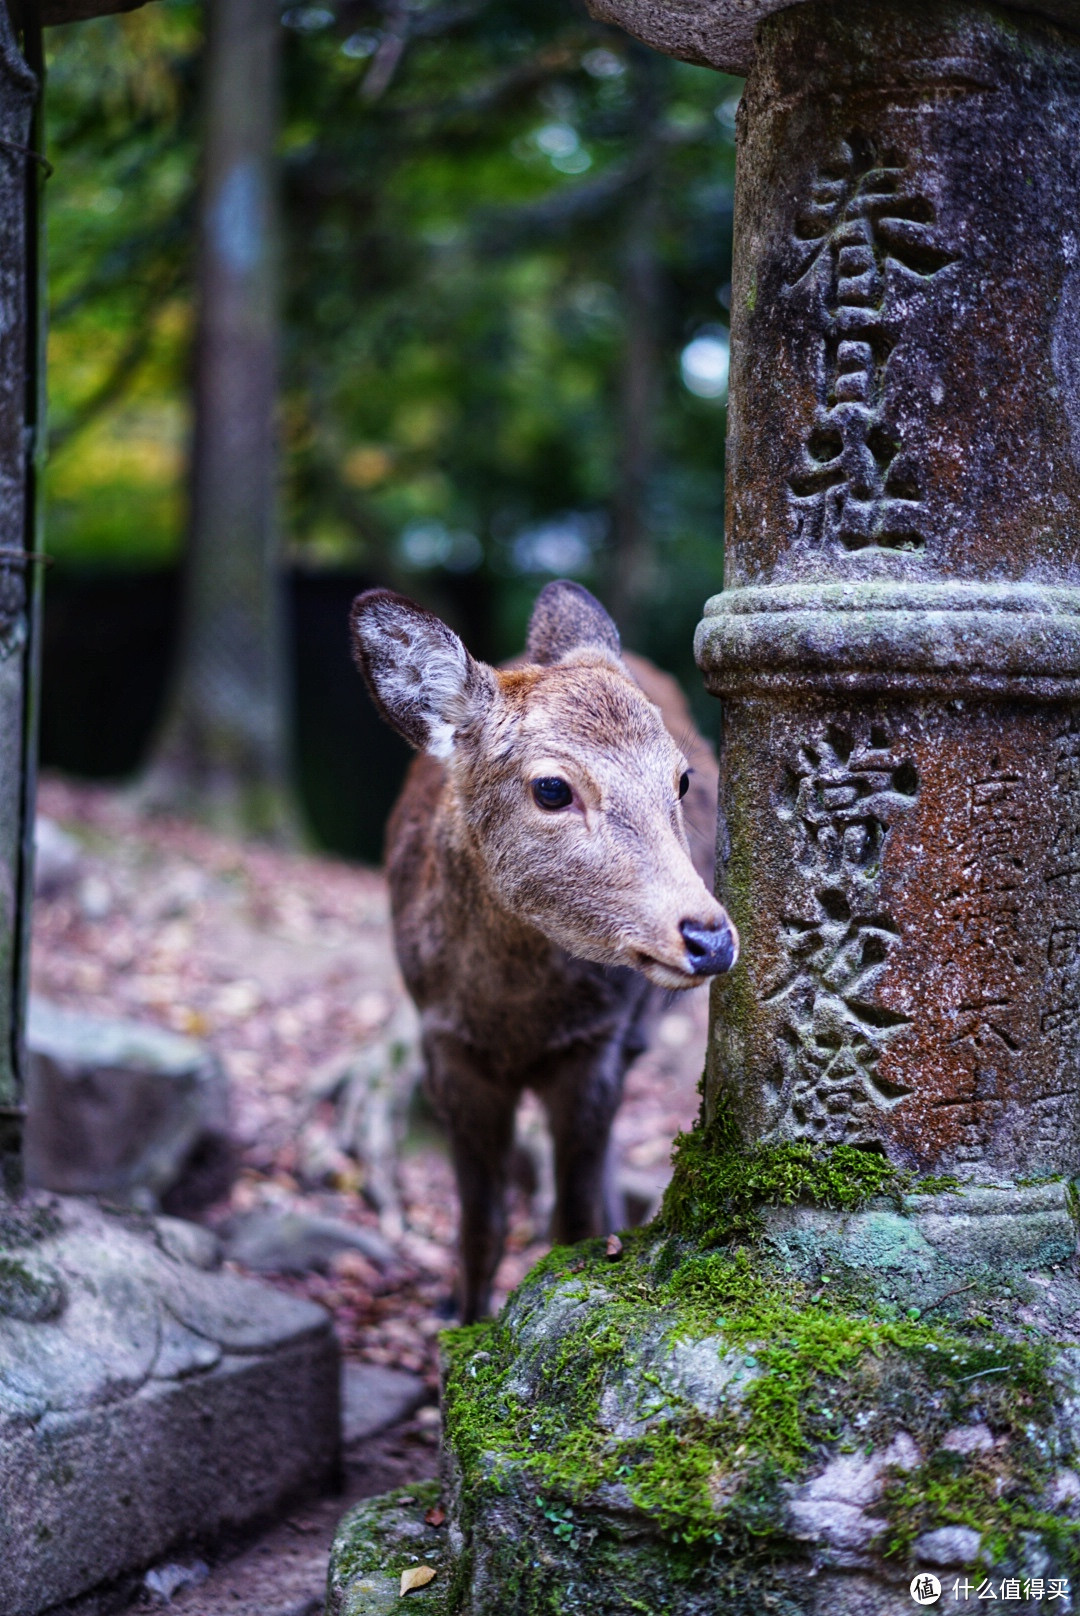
[283,963]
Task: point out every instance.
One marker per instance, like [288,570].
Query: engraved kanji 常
[839,800]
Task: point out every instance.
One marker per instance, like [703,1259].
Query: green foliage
[121,132]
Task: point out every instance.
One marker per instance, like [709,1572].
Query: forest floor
[283,964]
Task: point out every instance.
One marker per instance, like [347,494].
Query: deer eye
[684,785]
[552,793]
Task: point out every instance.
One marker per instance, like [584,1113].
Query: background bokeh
[505,247]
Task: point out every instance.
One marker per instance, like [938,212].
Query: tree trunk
[223,751]
[640,384]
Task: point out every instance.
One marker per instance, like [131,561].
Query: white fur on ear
[420,675]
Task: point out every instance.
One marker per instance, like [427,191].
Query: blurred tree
[223,749]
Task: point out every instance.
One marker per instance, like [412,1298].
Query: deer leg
[581,1101]
[479,1118]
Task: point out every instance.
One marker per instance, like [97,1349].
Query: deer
[547,887]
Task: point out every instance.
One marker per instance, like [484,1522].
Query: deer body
[542,886]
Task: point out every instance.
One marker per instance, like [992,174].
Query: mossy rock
[378,1540]
[789,1407]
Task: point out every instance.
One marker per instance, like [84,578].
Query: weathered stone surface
[721,33]
[375,1543]
[18,92]
[374,1398]
[148,1403]
[949,1546]
[123,1109]
[269,1241]
[898,643]
[551,1497]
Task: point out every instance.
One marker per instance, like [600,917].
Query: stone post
[841,1371]
[18,184]
[898,645]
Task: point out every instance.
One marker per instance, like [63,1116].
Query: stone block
[122,1109]
[146,1401]
[722,34]
[375,1543]
[373,1398]
[270,1241]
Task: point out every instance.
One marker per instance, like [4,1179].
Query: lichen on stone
[676,1413]
[375,1542]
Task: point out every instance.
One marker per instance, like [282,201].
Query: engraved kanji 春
[866,226]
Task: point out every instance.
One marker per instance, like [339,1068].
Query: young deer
[542,885]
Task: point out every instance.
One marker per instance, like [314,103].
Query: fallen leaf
[436,1515]
[613,1248]
[415,1577]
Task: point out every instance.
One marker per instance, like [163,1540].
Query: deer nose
[711,950]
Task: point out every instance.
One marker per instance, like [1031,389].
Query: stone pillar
[898,645]
[18,91]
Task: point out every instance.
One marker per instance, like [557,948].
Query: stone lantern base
[147,1399]
[811,1380]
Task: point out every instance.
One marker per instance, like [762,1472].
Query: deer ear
[421,677]
[567,618]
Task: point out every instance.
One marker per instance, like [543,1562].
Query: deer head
[563,777]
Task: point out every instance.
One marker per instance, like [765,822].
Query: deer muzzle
[710,950]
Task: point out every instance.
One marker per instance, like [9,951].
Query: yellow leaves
[416,1577]
[367,465]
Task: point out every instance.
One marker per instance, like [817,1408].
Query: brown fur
[517,930]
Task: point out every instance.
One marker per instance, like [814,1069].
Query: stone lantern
[841,1372]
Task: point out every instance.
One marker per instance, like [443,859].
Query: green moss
[378,1540]
[26,1295]
[22,1225]
[533,1402]
[720,1184]
[568,1414]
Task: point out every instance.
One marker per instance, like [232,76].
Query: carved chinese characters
[911,933]
[901,315]
[839,799]
[866,226]
[898,642]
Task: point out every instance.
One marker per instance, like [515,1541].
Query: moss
[720,1184]
[26,1295]
[22,1225]
[817,1367]
[378,1540]
[360,1543]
